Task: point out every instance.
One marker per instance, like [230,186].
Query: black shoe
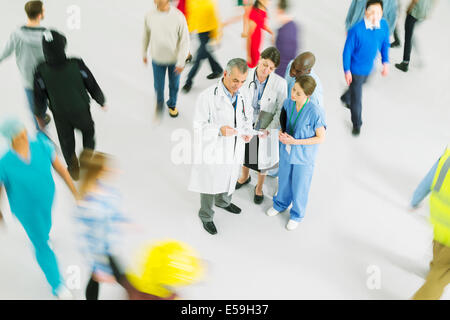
[345,103]
[47,119]
[74,172]
[189,58]
[186,88]
[356,131]
[258,199]
[232,208]
[210,227]
[214,75]
[239,185]
[395,44]
[402,66]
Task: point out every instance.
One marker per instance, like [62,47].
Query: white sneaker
[272,212]
[292,224]
[64,294]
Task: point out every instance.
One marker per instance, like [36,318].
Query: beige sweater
[168,36]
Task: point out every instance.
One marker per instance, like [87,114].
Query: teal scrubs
[30,189]
[296,166]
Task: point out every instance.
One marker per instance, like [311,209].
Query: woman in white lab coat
[266,91]
[222,127]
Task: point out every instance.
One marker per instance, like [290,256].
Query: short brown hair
[272,54]
[307,83]
[33,9]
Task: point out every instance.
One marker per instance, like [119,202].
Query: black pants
[353,97]
[202,54]
[65,126]
[410,23]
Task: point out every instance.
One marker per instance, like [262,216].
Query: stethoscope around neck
[253,82]
[242,100]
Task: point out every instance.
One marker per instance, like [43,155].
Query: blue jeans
[159,78]
[202,54]
[30,97]
[353,97]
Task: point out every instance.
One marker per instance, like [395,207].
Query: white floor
[357,226]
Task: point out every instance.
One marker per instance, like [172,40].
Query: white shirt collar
[370,25]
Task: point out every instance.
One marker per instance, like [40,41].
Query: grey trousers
[206,213]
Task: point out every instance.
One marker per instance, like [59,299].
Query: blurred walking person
[26,43]
[166,32]
[65,83]
[363,42]
[437,182]
[287,40]
[203,18]
[417,11]
[25,171]
[257,23]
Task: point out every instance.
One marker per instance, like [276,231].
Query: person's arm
[64,174]
[347,54]
[424,187]
[281,97]
[145,41]
[183,45]
[40,97]
[385,50]
[9,48]
[91,84]
[317,139]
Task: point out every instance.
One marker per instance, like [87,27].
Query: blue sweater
[362,46]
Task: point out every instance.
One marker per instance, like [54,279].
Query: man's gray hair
[239,63]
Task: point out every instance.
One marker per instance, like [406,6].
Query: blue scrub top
[29,186]
[311,118]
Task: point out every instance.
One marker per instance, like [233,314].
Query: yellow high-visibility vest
[440,200]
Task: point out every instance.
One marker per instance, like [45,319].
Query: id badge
[288,148]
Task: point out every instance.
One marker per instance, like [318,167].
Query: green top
[421,9]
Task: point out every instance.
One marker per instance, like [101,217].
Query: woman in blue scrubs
[303,129]
[25,171]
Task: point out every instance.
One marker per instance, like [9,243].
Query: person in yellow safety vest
[202,17]
[437,182]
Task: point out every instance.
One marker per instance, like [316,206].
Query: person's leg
[346,98]
[245,175]
[92,289]
[159,78]
[87,127]
[223,200]
[30,98]
[215,66]
[260,184]
[37,226]
[66,138]
[206,212]
[199,56]
[396,42]
[356,99]
[283,198]
[174,86]
[301,183]
[438,277]
[409,30]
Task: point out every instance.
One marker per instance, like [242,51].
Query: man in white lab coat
[222,126]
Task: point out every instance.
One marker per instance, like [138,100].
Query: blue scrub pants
[37,225]
[159,79]
[294,182]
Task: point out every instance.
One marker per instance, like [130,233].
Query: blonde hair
[92,165]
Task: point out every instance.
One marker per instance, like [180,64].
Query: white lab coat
[218,159]
[271,102]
